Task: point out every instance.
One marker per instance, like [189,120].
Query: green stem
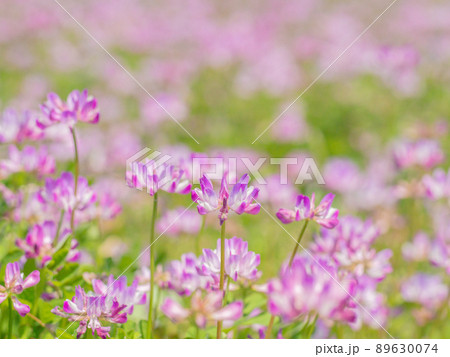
[199,235]
[222,272]
[152,266]
[10,318]
[76,174]
[294,252]
[58,230]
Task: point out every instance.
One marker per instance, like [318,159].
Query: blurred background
[225,71]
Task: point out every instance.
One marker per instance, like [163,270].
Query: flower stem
[152,266]
[222,272]
[10,318]
[294,252]
[76,174]
[199,235]
[58,229]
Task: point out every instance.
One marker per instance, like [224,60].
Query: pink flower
[117,289]
[437,185]
[427,290]
[41,243]
[424,153]
[61,191]
[78,107]
[203,309]
[306,288]
[240,263]
[90,311]
[27,160]
[285,191]
[179,221]
[15,284]
[418,249]
[342,175]
[239,201]
[15,128]
[323,214]
[155,176]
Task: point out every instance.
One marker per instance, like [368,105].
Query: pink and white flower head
[78,107]
[203,309]
[90,311]
[179,221]
[309,288]
[323,214]
[424,153]
[41,243]
[427,290]
[241,200]
[117,289]
[16,128]
[29,159]
[15,284]
[417,250]
[61,191]
[184,277]
[437,185]
[240,263]
[154,176]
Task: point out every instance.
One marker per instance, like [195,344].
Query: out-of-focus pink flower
[418,249]
[15,128]
[41,243]
[27,160]
[307,288]
[427,290]
[240,263]
[239,201]
[15,284]
[78,107]
[349,246]
[184,277]
[323,214]
[284,192]
[90,311]
[154,176]
[424,153]
[437,185]
[342,175]
[153,112]
[117,289]
[291,127]
[179,221]
[203,309]
[61,192]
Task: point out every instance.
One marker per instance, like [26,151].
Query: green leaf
[58,258]
[143,328]
[67,270]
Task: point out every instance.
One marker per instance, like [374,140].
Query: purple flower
[342,175]
[41,241]
[418,249]
[117,289]
[203,309]
[90,311]
[424,153]
[179,221]
[184,278]
[306,288]
[323,214]
[437,185]
[61,191]
[240,263]
[15,128]
[27,160]
[154,176]
[15,284]
[239,201]
[427,290]
[78,107]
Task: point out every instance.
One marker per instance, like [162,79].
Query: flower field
[233,170]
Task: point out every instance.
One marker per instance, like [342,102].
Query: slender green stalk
[152,266]
[199,235]
[10,318]
[58,230]
[222,271]
[294,252]
[76,175]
